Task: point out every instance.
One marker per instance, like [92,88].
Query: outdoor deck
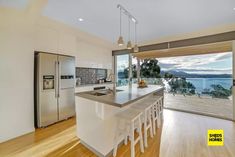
[203,105]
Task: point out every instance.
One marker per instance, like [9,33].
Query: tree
[148,69]
[134,71]
[219,91]
[191,88]
[181,85]
[168,76]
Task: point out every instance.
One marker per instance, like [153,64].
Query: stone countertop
[122,98]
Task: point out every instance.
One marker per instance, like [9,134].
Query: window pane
[122,63]
[199,83]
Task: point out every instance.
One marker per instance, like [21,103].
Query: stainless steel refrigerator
[55,86]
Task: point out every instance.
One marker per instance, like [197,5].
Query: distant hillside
[187,75]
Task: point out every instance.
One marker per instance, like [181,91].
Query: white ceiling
[157,18]
[15,3]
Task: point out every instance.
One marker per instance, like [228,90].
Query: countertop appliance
[55,87]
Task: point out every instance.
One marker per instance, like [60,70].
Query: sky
[219,63]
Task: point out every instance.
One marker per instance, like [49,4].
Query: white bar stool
[145,107]
[132,120]
[157,112]
[161,106]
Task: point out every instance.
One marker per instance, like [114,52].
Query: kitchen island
[96,110]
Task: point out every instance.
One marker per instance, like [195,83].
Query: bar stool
[161,106]
[157,112]
[146,107]
[132,121]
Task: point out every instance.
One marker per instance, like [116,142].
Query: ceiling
[157,18]
[16,3]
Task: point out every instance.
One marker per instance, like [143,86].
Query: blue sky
[219,63]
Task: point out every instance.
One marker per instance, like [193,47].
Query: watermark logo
[215,137]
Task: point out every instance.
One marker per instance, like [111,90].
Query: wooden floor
[204,105]
[182,135]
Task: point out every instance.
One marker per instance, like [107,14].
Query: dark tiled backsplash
[90,75]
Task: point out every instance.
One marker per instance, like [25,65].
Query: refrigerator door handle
[55,79]
[58,90]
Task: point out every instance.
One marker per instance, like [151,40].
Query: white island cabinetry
[95,115]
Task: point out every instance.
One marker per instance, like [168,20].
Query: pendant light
[136,49]
[120,39]
[133,19]
[129,46]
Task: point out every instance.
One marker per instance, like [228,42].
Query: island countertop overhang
[126,96]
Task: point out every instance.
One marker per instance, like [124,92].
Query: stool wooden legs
[132,137]
[147,125]
[129,130]
[118,134]
[157,114]
[141,137]
[155,117]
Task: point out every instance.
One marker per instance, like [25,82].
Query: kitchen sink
[103,92]
[97,94]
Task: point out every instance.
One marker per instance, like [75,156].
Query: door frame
[233,51]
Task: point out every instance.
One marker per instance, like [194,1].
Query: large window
[199,83]
[122,65]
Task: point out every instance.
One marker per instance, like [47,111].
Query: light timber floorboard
[181,135]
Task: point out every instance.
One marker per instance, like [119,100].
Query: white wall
[20,35]
[16,77]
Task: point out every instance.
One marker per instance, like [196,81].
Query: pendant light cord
[129,34]
[120,21]
[135,33]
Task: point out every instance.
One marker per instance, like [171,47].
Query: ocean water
[205,83]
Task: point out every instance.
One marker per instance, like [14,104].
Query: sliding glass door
[199,84]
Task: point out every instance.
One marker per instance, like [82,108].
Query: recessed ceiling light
[80,19]
[133,19]
[234,8]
